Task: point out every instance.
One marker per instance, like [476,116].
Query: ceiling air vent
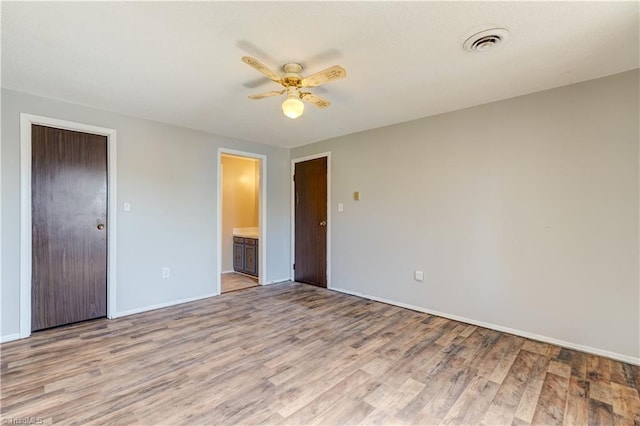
[485,40]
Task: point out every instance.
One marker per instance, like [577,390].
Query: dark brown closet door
[311,222]
[69,227]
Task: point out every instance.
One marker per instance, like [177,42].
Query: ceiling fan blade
[262,68]
[335,72]
[316,100]
[266,95]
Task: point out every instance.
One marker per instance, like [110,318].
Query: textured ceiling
[180,62]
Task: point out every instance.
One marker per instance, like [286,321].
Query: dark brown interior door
[69,227]
[311,222]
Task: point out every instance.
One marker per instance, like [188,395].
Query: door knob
[323,223]
[100,226]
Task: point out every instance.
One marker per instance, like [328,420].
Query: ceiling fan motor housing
[292,75]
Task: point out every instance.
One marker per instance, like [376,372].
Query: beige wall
[240,201]
[522,213]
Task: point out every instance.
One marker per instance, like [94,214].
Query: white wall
[522,213]
[168,174]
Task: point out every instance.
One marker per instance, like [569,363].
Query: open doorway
[241,253]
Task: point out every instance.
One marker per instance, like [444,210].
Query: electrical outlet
[418,276]
[166,272]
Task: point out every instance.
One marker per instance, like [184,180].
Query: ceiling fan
[293,84]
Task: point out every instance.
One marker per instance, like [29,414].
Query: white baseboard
[569,345]
[161,305]
[9,337]
[230,271]
[278,281]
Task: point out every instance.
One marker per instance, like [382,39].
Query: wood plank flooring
[233,281]
[298,354]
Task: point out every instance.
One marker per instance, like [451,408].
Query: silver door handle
[323,223]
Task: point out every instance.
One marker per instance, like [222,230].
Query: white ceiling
[180,63]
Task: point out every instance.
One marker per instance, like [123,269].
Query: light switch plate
[356,196]
[340,207]
[126,207]
[418,276]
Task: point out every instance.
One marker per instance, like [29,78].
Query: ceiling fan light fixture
[292,82]
[292,107]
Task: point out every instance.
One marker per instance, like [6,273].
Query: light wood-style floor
[233,281]
[296,354]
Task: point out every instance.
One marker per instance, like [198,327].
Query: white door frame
[293,211]
[26,120]
[262,214]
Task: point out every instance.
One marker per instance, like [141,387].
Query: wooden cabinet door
[238,255]
[251,257]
